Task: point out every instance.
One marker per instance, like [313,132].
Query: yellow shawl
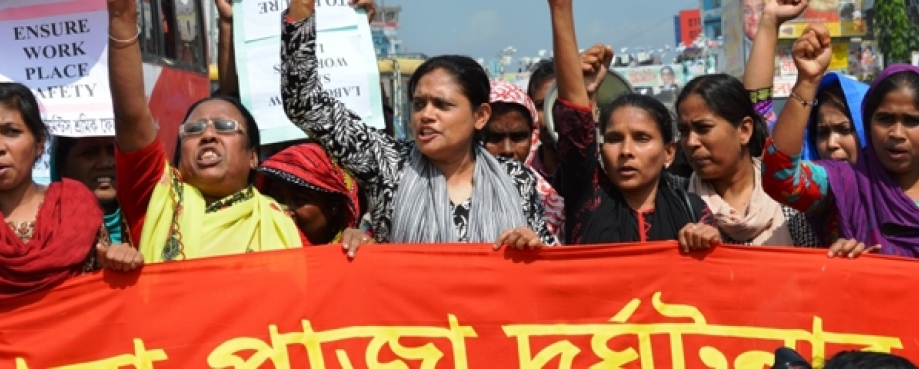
[255,224]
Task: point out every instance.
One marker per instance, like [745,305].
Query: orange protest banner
[460,306]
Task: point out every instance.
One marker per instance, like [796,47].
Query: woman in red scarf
[322,198]
[47,234]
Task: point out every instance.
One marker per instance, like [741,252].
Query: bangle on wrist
[801,100]
[127,41]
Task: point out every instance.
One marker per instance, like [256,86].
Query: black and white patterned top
[375,159]
[461,219]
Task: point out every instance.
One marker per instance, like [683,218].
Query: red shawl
[66,229]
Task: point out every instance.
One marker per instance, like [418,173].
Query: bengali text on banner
[459,306]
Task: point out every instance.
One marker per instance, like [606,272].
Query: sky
[481,28]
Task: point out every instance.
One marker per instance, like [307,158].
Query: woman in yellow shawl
[206,205]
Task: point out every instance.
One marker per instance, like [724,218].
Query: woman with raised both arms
[873,202]
[206,205]
[612,184]
[47,234]
[443,186]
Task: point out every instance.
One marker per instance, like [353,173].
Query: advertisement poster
[663,82]
[843,18]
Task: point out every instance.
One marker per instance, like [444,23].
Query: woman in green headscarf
[91,161]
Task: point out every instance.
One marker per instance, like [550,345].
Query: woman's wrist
[805,92]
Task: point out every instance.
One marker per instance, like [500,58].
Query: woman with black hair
[206,205]
[612,184]
[91,161]
[723,129]
[722,135]
[420,191]
[49,233]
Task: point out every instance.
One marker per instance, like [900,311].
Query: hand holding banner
[618,306]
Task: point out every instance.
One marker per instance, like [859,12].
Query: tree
[897,37]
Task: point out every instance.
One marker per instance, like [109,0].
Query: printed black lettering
[67,50]
[68,71]
[54,29]
[332,62]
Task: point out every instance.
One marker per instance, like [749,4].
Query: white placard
[347,64]
[63,59]
[262,18]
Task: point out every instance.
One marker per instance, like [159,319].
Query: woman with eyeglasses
[206,205]
[441,187]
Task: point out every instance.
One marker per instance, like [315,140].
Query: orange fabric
[220,312]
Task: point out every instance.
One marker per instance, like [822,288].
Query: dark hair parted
[656,109]
[17,96]
[252,133]
[542,72]
[727,98]
[867,360]
[467,73]
[906,79]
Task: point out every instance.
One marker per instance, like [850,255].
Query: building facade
[384,30]
[711,18]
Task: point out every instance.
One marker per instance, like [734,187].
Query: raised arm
[812,53]
[760,67]
[134,125]
[801,184]
[569,77]
[226,51]
[574,118]
[369,154]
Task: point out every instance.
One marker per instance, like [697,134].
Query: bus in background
[173,40]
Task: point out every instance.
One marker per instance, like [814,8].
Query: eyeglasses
[222,126]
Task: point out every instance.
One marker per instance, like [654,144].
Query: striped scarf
[422,207]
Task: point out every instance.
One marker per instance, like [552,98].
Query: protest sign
[59,49]
[347,63]
[467,306]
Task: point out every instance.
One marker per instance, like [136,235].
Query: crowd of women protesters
[838,168]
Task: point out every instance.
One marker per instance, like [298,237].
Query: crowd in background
[839,169]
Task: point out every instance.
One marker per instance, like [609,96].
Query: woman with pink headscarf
[510,133]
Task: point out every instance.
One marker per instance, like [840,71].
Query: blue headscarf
[114,222]
[853,92]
